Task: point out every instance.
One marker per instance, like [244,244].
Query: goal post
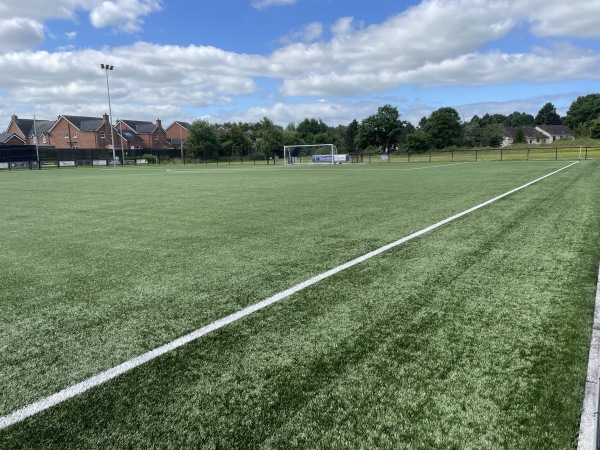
[323,153]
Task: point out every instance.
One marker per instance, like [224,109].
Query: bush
[152,159]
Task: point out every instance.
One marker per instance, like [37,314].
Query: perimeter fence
[26,157]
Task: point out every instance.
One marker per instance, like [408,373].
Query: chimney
[105,118]
[158,123]
[14,117]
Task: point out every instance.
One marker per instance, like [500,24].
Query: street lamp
[106,68]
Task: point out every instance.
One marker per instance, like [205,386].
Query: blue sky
[290,59]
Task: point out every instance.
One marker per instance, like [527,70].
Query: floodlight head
[106,67]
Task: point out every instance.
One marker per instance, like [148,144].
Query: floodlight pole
[181,143]
[106,68]
[37,150]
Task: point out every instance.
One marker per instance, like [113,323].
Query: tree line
[384,131]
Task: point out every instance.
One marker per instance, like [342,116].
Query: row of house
[94,132]
[541,134]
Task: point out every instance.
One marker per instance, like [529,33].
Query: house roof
[176,142]
[140,126]
[42,127]
[556,130]
[529,132]
[82,123]
[129,136]
[5,137]
[185,125]
[85,123]
[27,125]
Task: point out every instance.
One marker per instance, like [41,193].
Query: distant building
[542,134]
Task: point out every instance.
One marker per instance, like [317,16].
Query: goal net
[297,154]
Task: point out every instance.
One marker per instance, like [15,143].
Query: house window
[156,137]
[102,135]
[44,140]
[74,134]
[66,135]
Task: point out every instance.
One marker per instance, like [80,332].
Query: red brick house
[26,129]
[177,133]
[81,132]
[153,135]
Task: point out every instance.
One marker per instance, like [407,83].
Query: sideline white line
[588,424]
[311,166]
[103,377]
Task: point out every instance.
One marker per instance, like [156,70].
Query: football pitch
[474,334]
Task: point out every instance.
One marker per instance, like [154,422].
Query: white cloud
[22,24]
[332,113]
[260,4]
[19,34]
[572,19]
[308,34]
[123,15]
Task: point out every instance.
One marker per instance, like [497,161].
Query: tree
[488,119]
[290,137]
[443,127]
[311,130]
[417,142]
[492,135]
[270,137]
[519,119]
[547,115]
[520,137]
[471,134]
[203,139]
[583,110]
[594,128]
[234,142]
[349,137]
[382,129]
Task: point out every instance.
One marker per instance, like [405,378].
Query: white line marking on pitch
[310,167]
[103,377]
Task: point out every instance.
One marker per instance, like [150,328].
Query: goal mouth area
[313,153]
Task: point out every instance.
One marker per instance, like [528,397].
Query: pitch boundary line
[588,424]
[107,375]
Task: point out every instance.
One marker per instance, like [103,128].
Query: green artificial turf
[473,336]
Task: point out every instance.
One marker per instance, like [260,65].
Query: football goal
[316,153]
